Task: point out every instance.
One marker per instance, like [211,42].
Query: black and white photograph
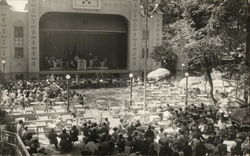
[125,77]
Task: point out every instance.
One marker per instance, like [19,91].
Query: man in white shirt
[221,125]
[19,128]
[25,133]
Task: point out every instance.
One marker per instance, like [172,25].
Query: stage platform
[89,71]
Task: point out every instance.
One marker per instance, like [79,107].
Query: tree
[228,22]
[207,32]
[166,56]
[173,11]
[205,53]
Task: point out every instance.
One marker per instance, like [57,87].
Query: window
[18,31]
[19,42]
[19,52]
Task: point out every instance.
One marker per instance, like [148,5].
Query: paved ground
[115,96]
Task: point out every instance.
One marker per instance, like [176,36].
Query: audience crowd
[199,131]
[22,93]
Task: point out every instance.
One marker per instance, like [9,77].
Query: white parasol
[192,80]
[158,74]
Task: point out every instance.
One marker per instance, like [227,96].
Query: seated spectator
[246,146]
[91,148]
[103,148]
[82,144]
[150,133]
[128,144]
[222,148]
[121,143]
[25,133]
[74,132]
[59,98]
[33,147]
[107,122]
[20,128]
[53,138]
[103,129]
[136,154]
[32,96]
[115,134]
[94,135]
[65,143]
[236,149]
[164,148]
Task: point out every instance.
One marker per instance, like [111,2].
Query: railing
[13,140]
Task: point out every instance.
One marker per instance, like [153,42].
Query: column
[5,43]
[135,37]
[33,38]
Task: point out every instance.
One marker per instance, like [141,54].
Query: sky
[18,5]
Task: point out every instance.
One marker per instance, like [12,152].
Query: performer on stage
[91,59]
[54,63]
[84,63]
[79,64]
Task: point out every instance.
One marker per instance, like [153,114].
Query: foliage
[200,21]
[166,56]
[206,50]
[228,21]
[163,53]
[172,10]
[189,21]
[198,13]
[207,33]
[229,14]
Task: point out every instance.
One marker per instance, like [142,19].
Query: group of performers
[76,62]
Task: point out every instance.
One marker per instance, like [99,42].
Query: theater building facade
[76,37]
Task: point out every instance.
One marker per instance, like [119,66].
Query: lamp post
[146,35]
[3,70]
[145,58]
[67,78]
[101,83]
[186,75]
[131,86]
[182,70]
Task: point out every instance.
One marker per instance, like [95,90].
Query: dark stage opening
[74,41]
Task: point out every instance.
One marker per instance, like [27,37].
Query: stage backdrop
[65,35]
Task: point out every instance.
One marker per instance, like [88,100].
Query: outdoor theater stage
[90,71]
[70,33]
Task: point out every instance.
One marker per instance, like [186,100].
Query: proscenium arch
[66,34]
